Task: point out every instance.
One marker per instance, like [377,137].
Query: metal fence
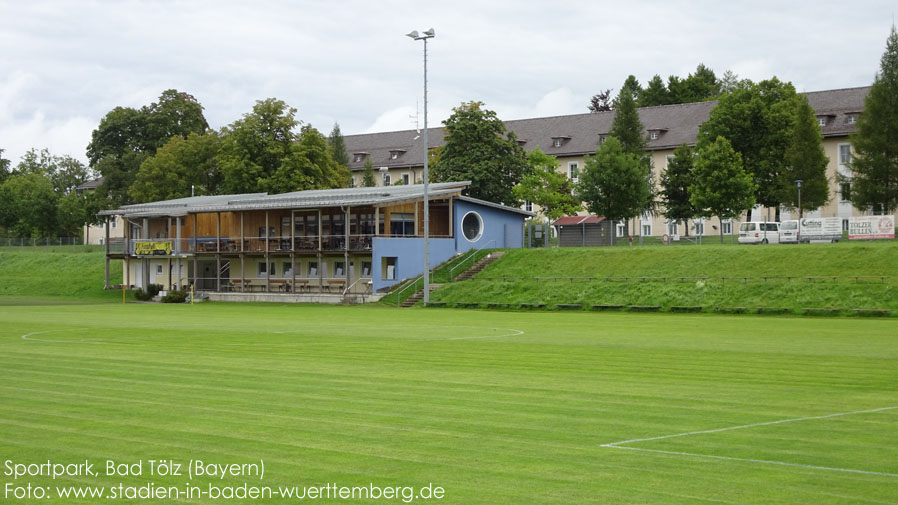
[41,242]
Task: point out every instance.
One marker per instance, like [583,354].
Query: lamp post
[429,34]
[799,181]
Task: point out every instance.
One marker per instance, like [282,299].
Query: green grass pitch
[494,407]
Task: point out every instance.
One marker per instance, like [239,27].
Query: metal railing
[469,256]
[42,242]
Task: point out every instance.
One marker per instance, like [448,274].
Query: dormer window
[852,118]
[602,138]
[359,157]
[559,141]
[821,120]
[521,142]
[396,153]
[655,134]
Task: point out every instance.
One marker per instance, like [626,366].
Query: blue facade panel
[501,228]
[409,254]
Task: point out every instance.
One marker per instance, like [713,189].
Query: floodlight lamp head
[413,34]
[430,33]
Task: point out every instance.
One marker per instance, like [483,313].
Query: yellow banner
[152,248]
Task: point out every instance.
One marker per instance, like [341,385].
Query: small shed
[583,231]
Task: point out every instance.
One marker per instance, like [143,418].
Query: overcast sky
[65,64]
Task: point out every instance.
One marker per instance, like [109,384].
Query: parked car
[789,232]
[759,232]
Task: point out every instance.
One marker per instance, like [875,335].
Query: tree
[632,87]
[676,181]
[626,126]
[729,81]
[477,148]
[262,152]
[806,161]
[338,146]
[545,186]
[28,205]
[126,137]
[600,102]
[65,172]
[655,93]
[721,186]
[368,180]
[615,183]
[757,120]
[874,168]
[700,86]
[180,168]
[71,214]
[4,168]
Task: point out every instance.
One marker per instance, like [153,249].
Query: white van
[789,232]
[759,232]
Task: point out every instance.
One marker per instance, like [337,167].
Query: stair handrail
[469,255]
[399,299]
[360,279]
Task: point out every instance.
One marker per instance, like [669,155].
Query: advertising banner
[871,227]
[162,248]
[821,228]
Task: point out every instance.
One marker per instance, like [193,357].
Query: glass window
[287,268]
[747,227]
[339,269]
[299,226]
[699,227]
[621,229]
[573,171]
[366,269]
[646,230]
[313,269]
[158,269]
[405,178]
[844,154]
[726,227]
[845,191]
[285,226]
[388,270]
[556,142]
[386,180]
[262,268]
[338,226]
[402,224]
[472,226]
[326,224]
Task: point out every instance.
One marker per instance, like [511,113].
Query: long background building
[399,155]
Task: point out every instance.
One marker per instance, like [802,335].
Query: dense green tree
[338,146]
[477,148]
[631,85]
[179,168]
[676,179]
[546,187]
[368,179]
[261,152]
[757,120]
[655,93]
[28,205]
[626,126]
[874,167]
[71,214]
[806,161]
[721,187]
[700,85]
[4,168]
[65,172]
[615,183]
[126,137]
[677,91]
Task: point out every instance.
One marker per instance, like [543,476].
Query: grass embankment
[747,276]
[58,274]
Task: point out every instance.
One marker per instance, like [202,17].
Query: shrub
[175,297]
[151,291]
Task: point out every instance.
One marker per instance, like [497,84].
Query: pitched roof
[295,200]
[581,133]
[572,220]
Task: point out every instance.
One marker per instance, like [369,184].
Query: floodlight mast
[428,34]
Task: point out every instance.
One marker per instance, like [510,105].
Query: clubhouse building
[399,156]
[338,245]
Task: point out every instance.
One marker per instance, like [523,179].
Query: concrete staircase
[417,297]
[476,268]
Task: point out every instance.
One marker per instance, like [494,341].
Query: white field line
[729,428]
[764,461]
[620,445]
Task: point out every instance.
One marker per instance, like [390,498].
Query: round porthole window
[472,226]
